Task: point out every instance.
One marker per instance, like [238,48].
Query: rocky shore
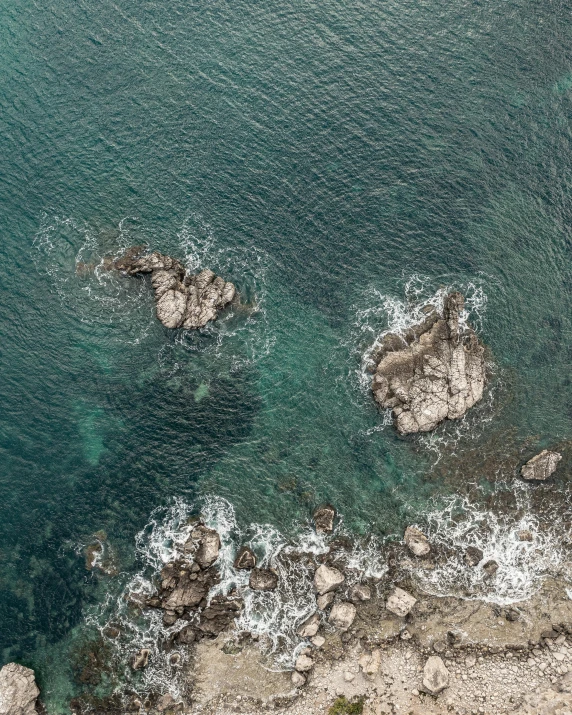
[183,299]
[434,372]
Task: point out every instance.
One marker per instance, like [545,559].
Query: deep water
[330,158]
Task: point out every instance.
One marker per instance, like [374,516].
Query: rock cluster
[183,300]
[540,467]
[18,690]
[436,371]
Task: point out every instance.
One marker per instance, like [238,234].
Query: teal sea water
[333,159]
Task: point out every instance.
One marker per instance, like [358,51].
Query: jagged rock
[141,659]
[318,641]
[360,592]
[490,568]
[310,626]
[182,299]
[324,601]
[473,556]
[400,602]
[416,541]
[263,580]
[298,680]
[186,635]
[218,615]
[324,519]
[245,559]
[18,690]
[209,546]
[435,372]
[181,588]
[327,579]
[304,663]
[541,467]
[342,615]
[435,675]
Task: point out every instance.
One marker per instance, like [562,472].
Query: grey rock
[400,602]
[473,556]
[18,690]
[245,559]
[435,675]
[324,519]
[541,467]
[416,541]
[327,579]
[342,615]
[435,372]
[263,580]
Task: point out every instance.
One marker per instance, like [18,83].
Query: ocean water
[341,163]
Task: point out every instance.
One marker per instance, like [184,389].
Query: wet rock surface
[183,299]
[263,579]
[324,518]
[245,559]
[436,371]
[327,579]
[18,690]
[416,541]
[541,467]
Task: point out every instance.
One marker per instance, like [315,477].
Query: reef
[183,299]
[435,371]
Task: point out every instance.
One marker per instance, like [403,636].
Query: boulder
[304,663]
[490,568]
[360,592]
[342,615]
[141,659]
[245,559]
[434,372]
[541,467]
[324,601]
[473,556]
[416,541]
[18,690]
[182,299]
[209,546]
[310,626]
[400,602]
[263,579]
[324,519]
[327,579]
[435,675]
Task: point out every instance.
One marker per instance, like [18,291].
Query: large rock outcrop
[18,690]
[183,300]
[541,467]
[436,371]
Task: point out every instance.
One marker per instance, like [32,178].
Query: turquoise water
[322,156]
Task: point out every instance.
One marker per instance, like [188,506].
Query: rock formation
[436,371]
[183,300]
[263,579]
[324,519]
[541,467]
[245,559]
[327,579]
[416,541]
[18,690]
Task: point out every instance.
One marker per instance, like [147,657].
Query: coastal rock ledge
[18,690]
[184,300]
[434,372]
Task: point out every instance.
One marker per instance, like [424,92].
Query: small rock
[490,568]
[511,615]
[540,467]
[400,602]
[310,626]
[298,680]
[416,541]
[18,690]
[435,675]
[370,664]
[525,535]
[470,661]
[324,519]
[141,659]
[342,615]
[473,556]
[551,634]
[324,601]
[360,592]
[165,702]
[304,663]
[318,641]
[439,647]
[245,559]
[405,635]
[349,677]
[327,579]
[263,579]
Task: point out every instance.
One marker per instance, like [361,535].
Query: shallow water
[329,159]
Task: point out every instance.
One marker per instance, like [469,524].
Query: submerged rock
[182,299]
[324,519]
[263,580]
[473,556]
[416,541]
[18,690]
[540,467]
[490,568]
[435,372]
[327,579]
[245,559]
[435,675]
[140,660]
